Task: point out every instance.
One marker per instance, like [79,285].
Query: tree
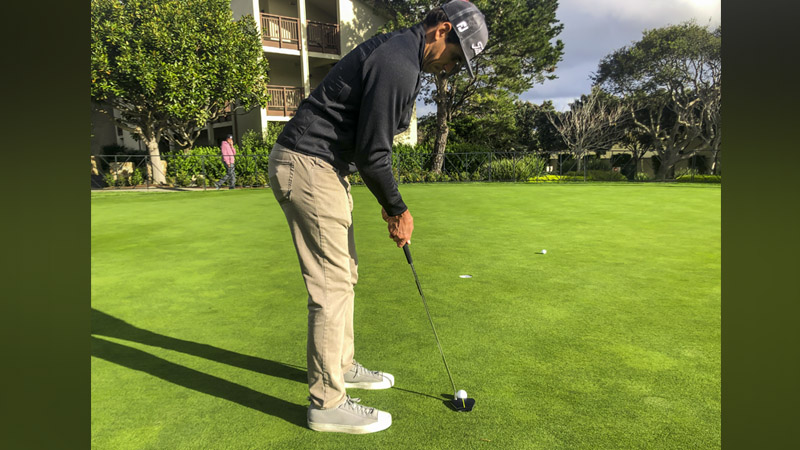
[535,131]
[489,122]
[635,141]
[521,51]
[672,79]
[592,124]
[170,66]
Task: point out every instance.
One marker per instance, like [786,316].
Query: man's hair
[437,16]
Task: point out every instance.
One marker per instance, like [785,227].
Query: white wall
[358,22]
[244,7]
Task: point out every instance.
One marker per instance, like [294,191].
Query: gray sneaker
[349,417]
[359,377]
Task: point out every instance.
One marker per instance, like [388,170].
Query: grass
[610,340]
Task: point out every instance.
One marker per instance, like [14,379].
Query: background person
[228,158]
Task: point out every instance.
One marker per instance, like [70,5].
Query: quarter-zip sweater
[351,118]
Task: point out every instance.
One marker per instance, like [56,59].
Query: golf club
[459,404]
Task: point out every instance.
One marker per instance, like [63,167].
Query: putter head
[461,404]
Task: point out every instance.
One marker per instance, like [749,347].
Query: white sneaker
[359,377]
[349,417]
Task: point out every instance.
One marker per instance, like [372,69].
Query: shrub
[598,164]
[408,159]
[136,178]
[699,163]
[605,175]
[641,176]
[625,162]
[546,178]
[687,178]
[108,178]
[515,168]
[566,163]
[686,171]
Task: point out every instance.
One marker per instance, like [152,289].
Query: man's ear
[443,29]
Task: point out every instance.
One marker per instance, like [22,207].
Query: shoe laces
[353,403]
[358,368]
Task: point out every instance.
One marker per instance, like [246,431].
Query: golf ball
[544,252]
[461,394]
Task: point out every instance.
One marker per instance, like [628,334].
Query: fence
[201,171]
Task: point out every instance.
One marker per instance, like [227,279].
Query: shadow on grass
[189,378]
[106,325]
[414,392]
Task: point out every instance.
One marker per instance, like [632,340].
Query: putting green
[610,340]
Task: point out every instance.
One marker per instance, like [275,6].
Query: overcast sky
[595,28]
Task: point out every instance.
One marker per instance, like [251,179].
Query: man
[228,158]
[347,124]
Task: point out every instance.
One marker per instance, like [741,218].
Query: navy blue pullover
[351,118]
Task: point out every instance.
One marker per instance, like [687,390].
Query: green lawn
[609,341]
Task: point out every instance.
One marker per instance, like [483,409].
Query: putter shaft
[419,288]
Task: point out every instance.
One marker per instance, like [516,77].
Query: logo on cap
[478,47]
[461,27]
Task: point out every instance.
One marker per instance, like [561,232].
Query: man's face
[441,57]
[447,61]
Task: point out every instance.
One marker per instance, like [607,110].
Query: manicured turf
[610,340]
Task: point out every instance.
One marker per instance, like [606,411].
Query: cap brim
[468,62]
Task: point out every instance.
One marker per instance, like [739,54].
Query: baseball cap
[470,26]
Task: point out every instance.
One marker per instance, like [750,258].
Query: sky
[595,28]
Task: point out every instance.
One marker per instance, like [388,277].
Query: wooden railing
[284,100]
[284,32]
[280,31]
[323,37]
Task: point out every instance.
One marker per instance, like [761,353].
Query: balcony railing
[284,32]
[323,37]
[279,31]
[284,100]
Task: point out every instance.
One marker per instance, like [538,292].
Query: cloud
[650,11]
[595,28]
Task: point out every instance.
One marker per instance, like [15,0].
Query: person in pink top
[228,152]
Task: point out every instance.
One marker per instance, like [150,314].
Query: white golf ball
[461,394]
[544,252]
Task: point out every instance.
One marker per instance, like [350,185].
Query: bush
[687,178]
[598,164]
[108,178]
[699,163]
[641,176]
[136,178]
[409,159]
[566,163]
[515,168]
[546,179]
[604,175]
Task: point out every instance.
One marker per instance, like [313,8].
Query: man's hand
[400,227]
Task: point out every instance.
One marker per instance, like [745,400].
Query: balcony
[284,32]
[323,37]
[284,100]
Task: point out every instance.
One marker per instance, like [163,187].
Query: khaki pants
[319,209]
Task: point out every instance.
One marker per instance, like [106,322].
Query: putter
[458,404]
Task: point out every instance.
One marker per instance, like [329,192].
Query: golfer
[347,124]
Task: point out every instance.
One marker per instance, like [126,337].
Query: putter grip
[407,252]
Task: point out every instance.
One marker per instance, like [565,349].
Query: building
[302,40]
